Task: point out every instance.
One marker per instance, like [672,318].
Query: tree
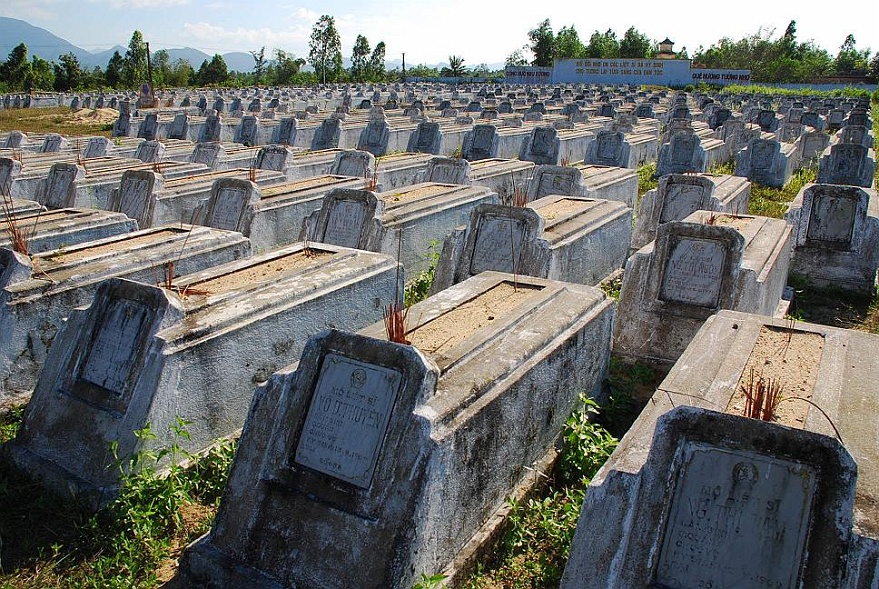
[603,45]
[16,70]
[68,73]
[850,61]
[286,66]
[456,68]
[325,53]
[181,73]
[636,45]
[134,66]
[873,72]
[259,63]
[542,44]
[360,59]
[567,44]
[41,76]
[161,68]
[113,73]
[376,66]
[214,73]
[516,59]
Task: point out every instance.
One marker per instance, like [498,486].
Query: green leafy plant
[586,446]
[419,287]
[429,582]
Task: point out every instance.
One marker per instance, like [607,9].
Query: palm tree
[456,67]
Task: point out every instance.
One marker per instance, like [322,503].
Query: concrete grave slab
[679,195]
[142,355]
[561,238]
[694,268]
[33,308]
[847,163]
[412,484]
[767,162]
[836,236]
[62,228]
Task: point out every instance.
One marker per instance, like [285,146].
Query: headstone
[179,127]
[56,192]
[426,138]
[136,195]
[97,147]
[15,140]
[327,135]
[247,132]
[541,146]
[683,153]
[273,157]
[9,170]
[480,142]
[122,126]
[353,162]
[721,501]
[53,143]
[211,129]
[150,151]
[447,170]
[209,154]
[149,127]
[609,148]
[284,133]
[227,207]
[375,136]
[548,180]
[345,219]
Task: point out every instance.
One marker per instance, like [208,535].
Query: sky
[428,31]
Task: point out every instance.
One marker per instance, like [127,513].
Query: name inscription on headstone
[680,200]
[347,419]
[693,272]
[111,358]
[345,223]
[497,245]
[227,209]
[135,194]
[737,519]
[832,219]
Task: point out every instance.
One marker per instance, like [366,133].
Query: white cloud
[30,10]
[141,4]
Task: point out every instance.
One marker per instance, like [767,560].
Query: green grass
[773,202]
[56,120]
[130,543]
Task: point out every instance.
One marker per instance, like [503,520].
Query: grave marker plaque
[227,208]
[832,220]
[347,419]
[681,200]
[345,220]
[693,272]
[498,244]
[736,519]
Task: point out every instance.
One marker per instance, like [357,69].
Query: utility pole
[404,68]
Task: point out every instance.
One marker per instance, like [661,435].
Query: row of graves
[259,301]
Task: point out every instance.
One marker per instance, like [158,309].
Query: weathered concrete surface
[455,447]
[64,227]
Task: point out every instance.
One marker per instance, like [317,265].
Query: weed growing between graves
[646,179]
[773,202]
[19,239]
[419,287]
[728,168]
[534,551]
[133,542]
[833,305]
[10,422]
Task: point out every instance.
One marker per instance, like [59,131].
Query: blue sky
[430,31]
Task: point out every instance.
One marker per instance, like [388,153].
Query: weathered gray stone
[33,309]
[561,238]
[274,157]
[767,162]
[54,193]
[847,163]
[550,179]
[447,170]
[683,153]
[479,143]
[679,195]
[139,350]
[150,151]
[51,230]
[179,126]
[374,137]
[542,146]
[426,138]
[411,486]
[53,143]
[327,135]
[610,148]
[836,235]
[248,131]
[97,147]
[692,270]
[719,500]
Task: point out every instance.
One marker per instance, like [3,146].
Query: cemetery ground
[46,541]
[81,122]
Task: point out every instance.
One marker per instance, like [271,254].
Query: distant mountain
[39,41]
[48,46]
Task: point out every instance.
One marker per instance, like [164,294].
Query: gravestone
[353,162]
[812,145]
[719,501]
[679,195]
[847,163]
[790,132]
[609,148]
[273,157]
[228,206]
[479,143]
[53,143]
[97,147]
[427,138]
[55,191]
[694,268]
[374,137]
[150,151]
[563,180]
[345,218]
[136,195]
[15,140]
[836,236]
[644,110]
[541,146]
[9,170]
[446,170]
[208,154]
[149,127]
[855,134]
[284,133]
[327,135]
[683,153]
[122,126]
[247,132]
[719,117]
[768,121]
[767,161]
[813,119]
[211,129]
